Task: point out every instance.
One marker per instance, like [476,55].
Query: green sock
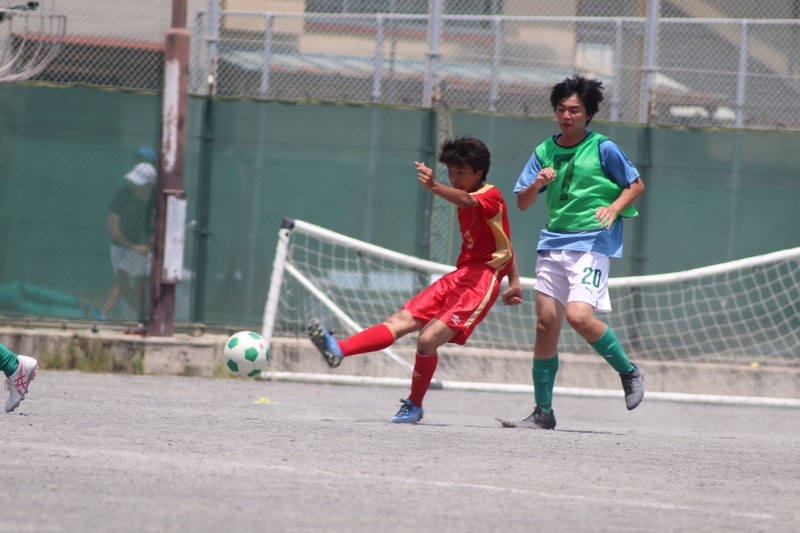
[8,361]
[609,347]
[544,379]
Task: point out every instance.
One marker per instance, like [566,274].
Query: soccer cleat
[17,383]
[633,385]
[325,343]
[408,413]
[539,420]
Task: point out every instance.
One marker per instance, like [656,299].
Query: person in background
[130,224]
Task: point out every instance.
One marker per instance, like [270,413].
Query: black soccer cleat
[633,385]
[539,420]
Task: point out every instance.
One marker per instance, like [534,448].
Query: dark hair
[590,93]
[466,151]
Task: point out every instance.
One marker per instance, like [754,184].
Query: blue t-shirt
[603,241]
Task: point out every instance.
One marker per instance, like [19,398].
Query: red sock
[370,340]
[424,367]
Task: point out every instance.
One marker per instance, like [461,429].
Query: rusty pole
[170,171]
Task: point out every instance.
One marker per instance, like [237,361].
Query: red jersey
[485,234]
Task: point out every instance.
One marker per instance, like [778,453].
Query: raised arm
[454,196]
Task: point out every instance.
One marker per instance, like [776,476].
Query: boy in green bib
[590,186]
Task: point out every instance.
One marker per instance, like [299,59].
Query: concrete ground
[101,452]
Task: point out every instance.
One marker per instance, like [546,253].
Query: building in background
[341,50]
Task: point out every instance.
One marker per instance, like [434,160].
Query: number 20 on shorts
[592,277]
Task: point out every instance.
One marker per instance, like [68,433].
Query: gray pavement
[91,452]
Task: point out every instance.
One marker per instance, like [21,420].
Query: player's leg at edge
[550,315]
[544,379]
[434,334]
[375,338]
[580,315]
[19,370]
[325,343]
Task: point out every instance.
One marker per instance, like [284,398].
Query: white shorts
[572,276]
[135,264]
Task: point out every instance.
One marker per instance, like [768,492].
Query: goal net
[29,40]
[729,330]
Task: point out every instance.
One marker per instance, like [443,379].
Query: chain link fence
[69,152]
[481,65]
[717,62]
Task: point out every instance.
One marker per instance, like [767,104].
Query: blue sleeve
[616,165]
[529,173]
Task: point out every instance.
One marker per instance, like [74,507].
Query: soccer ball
[246,354]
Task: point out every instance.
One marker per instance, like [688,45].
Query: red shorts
[460,299]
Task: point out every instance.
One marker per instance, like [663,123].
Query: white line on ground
[334,379]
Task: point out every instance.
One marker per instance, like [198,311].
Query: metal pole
[736,170]
[170,172]
[425,198]
[616,88]
[258,174]
[377,73]
[203,207]
[433,52]
[736,164]
[212,39]
[198,73]
[372,171]
[267,56]
[496,54]
[202,230]
[650,56]
[741,79]
[392,54]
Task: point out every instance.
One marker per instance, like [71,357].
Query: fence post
[213,35]
[650,57]
[736,156]
[741,79]
[617,72]
[428,145]
[203,207]
[378,71]
[425,198]
[170,172]
[433,52]
[496,54]
[638,263]
[267,57]
[197,71]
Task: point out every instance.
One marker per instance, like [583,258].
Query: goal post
[29,40]
[728,333]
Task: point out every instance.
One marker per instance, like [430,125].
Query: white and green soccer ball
[246,354]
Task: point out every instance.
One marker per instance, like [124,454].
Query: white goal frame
[283,266]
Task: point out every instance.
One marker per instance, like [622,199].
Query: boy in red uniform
[450,308]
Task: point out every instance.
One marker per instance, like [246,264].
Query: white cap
[142,174]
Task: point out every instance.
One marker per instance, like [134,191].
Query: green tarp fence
[712,195]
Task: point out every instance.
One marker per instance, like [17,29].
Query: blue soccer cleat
[408,413]
[325,343]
